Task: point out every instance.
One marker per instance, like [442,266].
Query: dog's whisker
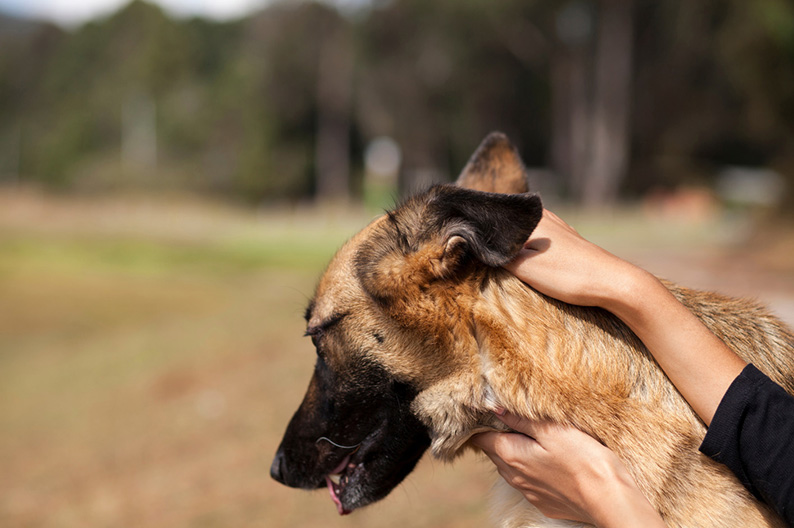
[356,446]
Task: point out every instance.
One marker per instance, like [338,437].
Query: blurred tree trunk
[334,96]
[560,145]
[139,132]
[591,91]
[609,135]
[571,89]
[580,117]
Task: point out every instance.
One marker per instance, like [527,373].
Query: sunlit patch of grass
[155,257]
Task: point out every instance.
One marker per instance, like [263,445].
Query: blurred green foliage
[235,105]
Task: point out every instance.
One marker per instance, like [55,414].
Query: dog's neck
[527,350]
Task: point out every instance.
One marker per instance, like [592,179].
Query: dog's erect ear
[494,226]
[495,167]
[432,235]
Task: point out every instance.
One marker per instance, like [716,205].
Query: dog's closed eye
[315,336]
[318,330]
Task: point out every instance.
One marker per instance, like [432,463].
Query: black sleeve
[752,433]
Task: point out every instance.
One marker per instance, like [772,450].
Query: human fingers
[519,423]
[539,430]
[550,226]
[545,231]
[523,464]
[494,443]
[553,438]
[485,441]
[552,258]
[560,263]
[506,449]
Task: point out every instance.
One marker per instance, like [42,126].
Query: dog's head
[391,324]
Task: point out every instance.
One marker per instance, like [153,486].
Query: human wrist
[627,293]
[629,510]
[618,503]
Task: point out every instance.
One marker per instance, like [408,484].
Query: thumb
[519,423]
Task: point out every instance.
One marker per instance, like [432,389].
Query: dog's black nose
[277,467]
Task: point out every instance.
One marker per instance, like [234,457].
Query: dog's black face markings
[355,422]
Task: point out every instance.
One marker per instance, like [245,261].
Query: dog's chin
[344,484]
[368,475]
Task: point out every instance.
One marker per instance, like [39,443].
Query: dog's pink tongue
[332,487]
[339,508]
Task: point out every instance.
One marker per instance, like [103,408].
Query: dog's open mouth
[337,480]
[374,455]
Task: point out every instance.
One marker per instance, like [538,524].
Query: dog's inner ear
[454,254]
[492,227]
[495,167]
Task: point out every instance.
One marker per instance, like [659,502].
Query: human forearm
[560,263]
[698,363]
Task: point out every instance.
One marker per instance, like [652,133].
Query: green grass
[139,256]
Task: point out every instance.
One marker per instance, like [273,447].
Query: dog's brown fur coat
[469,341]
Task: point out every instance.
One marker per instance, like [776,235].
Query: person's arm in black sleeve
[752,432]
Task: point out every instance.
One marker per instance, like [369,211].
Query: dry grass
[151,356]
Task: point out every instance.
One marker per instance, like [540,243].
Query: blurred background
[174,175]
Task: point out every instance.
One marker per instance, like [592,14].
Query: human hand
[567,474]
[558,262]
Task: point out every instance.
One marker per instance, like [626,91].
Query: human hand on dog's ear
[557,261]
[567,474]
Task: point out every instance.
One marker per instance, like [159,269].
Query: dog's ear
[495,167]
[433,235]
[492,226]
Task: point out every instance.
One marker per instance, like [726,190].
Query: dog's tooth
[335,478]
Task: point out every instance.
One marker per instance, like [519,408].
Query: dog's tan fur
[484,338]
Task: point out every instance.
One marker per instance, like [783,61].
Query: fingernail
[499,411]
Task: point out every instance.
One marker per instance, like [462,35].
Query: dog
[420,335]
